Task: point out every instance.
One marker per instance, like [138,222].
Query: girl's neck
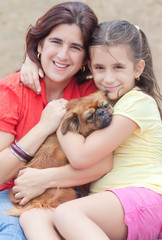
[54,90]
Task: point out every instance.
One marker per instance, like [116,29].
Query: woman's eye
[75,48]
[56,42]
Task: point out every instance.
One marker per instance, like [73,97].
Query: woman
[58,45]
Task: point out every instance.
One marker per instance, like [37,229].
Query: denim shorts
[9,225]
[143,212]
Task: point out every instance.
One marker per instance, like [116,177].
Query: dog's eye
[106,105]
[90,116]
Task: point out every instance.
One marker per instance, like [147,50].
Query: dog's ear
[71,123]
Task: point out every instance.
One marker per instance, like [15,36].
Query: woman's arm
[9,163]
[30,75]
[84,152]
[33,182]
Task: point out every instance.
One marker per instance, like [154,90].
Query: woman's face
[62,53]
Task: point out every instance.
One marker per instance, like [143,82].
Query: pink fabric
[143,212]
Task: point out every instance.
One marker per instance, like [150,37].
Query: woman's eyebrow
[55,38]
[60,40]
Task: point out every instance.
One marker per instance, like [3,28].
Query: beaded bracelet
[19,152]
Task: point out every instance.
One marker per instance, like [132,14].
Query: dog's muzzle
[104,117]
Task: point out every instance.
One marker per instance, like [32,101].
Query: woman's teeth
[60,65]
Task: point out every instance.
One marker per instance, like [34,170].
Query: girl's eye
[118,67]
[99,68]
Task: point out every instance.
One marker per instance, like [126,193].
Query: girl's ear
[139,68]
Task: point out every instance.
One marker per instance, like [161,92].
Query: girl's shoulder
[138,106]
[136,97]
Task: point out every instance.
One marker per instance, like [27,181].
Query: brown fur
[84,116]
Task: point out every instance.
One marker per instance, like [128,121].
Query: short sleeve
[9,107]
[139,107]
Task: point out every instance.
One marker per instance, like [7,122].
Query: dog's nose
[100,112]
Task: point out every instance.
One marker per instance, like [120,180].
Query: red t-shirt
[21,108]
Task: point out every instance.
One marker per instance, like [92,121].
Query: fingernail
[38,91]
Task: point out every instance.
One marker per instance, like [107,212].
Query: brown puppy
[83,116]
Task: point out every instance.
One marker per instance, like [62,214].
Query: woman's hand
[52,115]
[29,184]
[30,75]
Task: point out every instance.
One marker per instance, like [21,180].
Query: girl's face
[62,53]
[114,70]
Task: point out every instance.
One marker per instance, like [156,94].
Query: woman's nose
[63,53]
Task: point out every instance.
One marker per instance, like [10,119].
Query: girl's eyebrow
[60,40]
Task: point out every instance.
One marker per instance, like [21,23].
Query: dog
[84,115]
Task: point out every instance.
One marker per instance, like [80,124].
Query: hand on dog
[52,115]
[83,116]
[28,185]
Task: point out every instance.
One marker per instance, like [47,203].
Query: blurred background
[17,15]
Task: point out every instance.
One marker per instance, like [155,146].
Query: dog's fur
[83,116]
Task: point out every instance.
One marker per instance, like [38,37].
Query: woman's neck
[54,90]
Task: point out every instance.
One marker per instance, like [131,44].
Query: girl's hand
[29,184]
[52,115]
[30,75]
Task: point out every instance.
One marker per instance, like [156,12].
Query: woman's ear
[139,68]
[39,48]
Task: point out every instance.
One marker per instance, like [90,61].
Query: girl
[58,43]
[126,203]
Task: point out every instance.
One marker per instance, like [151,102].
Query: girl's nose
[109,78]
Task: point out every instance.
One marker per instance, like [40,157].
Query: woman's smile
[60,66]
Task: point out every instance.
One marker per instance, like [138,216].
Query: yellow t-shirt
[138,161]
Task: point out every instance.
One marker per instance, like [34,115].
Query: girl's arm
[30,75]
[33,182]
[9,163]
[84,152]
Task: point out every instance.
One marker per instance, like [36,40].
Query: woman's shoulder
[12,84]
[11,77]
[12,81]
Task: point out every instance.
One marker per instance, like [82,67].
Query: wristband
[19,152]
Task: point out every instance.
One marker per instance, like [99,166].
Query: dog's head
[87,114]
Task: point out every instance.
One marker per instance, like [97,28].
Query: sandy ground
[16,15]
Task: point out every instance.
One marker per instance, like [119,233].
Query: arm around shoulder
[84,152]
